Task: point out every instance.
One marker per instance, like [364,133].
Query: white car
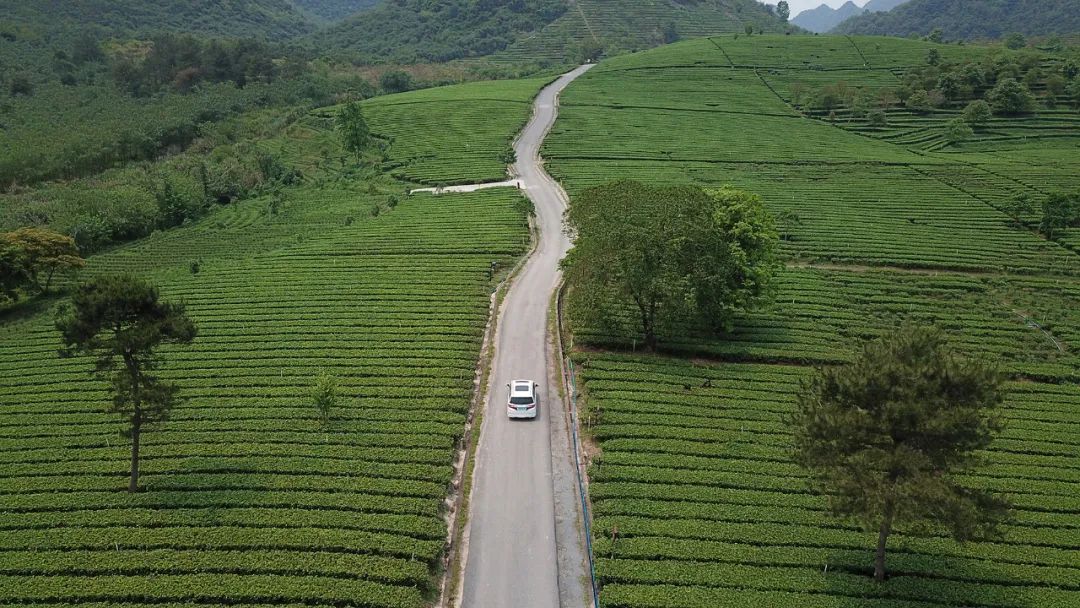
[522,402]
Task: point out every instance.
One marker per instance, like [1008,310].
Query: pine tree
[886,436]
[120,320]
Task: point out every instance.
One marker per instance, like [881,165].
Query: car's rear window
[521,400]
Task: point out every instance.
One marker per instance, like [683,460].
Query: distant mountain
[441,30]
[970,19]
[881,6]
[334,10]
[825,17]
[269,19]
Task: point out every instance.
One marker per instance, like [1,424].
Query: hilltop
[421,30]
[970,19]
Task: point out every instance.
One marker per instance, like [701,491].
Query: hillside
[970,19]
[271,19]
[420,30]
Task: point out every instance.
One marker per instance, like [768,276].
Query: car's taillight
[530,406]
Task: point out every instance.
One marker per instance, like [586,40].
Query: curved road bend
[512,559]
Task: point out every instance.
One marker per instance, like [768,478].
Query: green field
[697,502]
[249,499]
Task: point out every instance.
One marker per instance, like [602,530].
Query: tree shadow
[28,307]
[921,578]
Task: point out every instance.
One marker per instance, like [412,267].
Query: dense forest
[533,30]
[270,19]
[334,10]
[420,30]
[970,19]
[109,118]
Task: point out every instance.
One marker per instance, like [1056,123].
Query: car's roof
[523,386]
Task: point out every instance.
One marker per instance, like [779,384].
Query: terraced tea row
[249,497]
[698,503]
[697,498]
[718,111]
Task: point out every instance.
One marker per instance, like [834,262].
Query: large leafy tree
[353,128]
[886,436]
[1010,97]
[42,253]
[1061,210]
[121,321]
[674,252]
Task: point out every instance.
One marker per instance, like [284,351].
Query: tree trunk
[650,336]
[650,339]
[136,427]
[136,419]
[883,537]
[648,323]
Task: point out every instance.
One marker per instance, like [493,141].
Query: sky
[798,6]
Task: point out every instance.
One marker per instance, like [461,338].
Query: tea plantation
[249,497]
[696,498]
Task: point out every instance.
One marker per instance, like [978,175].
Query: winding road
[521,523]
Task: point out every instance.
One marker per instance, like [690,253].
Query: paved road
[511,561]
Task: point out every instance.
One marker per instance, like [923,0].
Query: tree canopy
[121,320]
[675,252]
[32,256]
[1010,97]
[1061,210]
[886,437]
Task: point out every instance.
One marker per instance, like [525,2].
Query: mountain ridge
[969,19]
[824,18]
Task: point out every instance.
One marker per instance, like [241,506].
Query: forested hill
[269,19]
[429,30]
[334,10]
[970,19]
[426,30]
